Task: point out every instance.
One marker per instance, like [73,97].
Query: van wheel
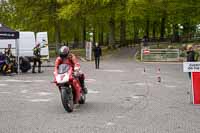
[25,65]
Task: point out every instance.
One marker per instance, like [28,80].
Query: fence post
[178,54]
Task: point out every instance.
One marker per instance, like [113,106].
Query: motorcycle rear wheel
[67,99]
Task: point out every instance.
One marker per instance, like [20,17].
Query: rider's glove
[76,71]
[76,68]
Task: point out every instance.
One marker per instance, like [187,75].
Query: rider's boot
[83,86]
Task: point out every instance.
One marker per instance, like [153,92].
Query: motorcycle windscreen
[63,68]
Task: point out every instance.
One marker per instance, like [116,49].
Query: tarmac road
[122,99]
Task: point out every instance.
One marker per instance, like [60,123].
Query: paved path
[122,99]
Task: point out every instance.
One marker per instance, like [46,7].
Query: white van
[26,44]
[42,39]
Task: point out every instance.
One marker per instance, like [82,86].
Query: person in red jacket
[65,57]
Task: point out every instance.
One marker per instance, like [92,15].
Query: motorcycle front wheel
[67,99]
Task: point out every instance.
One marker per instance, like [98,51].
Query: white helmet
[64,51]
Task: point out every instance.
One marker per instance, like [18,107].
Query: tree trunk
[57,32]
[154,30]
[186,28]
[76,40]
[56,25]
[123,24]
[123,32]
[84,33]
[147,28]
[111,24]
[135,32]
[101,35]
[112,33]
[107,38]
[162,28]
[94,37]
[175,33]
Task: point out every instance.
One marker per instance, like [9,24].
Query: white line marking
[18,81]
[23,81]
[140,84]
[39,100]
[90,80]
[24,91]
[12,80]
[170,86]
[135,97]
[4,92]
[39,80]
[112,70]
[26,81]
[44,93]
[93,92]
[110,124]
[3,84]
[76,109]
[120,116]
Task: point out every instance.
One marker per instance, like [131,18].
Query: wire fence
[148,55]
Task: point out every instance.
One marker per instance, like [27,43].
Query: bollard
[158,75]
[144,69]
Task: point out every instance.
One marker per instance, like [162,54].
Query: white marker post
[88,49]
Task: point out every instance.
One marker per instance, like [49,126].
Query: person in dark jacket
[190,56]
[97,55]
[9,59]
[37,56]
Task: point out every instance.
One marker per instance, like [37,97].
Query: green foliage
[67,17]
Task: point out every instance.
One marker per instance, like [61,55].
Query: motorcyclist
[65,57]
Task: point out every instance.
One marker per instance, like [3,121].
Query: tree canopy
[109,20]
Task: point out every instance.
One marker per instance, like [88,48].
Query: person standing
[145,41]
[37,58]
[97,55]
[190,56]
[9,59]
[8,51]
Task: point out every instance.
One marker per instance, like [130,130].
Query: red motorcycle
[64,80]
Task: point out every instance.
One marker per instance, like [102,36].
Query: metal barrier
[160,54]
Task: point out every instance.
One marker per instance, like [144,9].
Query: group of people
[8,62]
[37,57]
[11,63]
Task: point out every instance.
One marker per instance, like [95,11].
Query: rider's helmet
[64,51]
